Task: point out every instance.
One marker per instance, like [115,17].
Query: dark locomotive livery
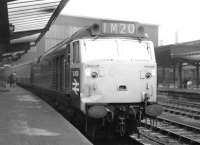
[105,74]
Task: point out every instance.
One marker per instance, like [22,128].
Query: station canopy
[30,19]
[182,52]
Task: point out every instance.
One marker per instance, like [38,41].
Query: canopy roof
[187,52]
[30,19]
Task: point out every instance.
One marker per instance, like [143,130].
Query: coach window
[68,53]
[76,53]
[67,68]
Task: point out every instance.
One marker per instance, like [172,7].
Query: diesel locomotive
[106,73]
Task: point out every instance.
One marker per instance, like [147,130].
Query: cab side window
[67,68]
[68,53]
[76,52]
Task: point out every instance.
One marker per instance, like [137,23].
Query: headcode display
[118,28]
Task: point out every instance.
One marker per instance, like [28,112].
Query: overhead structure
[26,21]
[32,18]
[183,52]
[178,57]
[4,27]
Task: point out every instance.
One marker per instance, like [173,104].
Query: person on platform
[189,83]
[185,83]
[12,79]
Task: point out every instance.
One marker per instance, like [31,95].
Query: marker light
[148,75]
[95,30]
[88,72]
[94,75]
[140,31]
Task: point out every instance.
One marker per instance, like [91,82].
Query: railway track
[161,131]
[191,112]
[129,140]
[182,102]
[145,138]
[165,131]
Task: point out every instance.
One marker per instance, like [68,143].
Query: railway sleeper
[172,131]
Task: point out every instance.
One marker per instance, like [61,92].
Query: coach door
[67,69]
[62,73]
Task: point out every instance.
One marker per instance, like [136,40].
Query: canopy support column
[180,75]
[197,75]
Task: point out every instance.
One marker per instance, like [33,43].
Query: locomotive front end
[118,75]
[117,71]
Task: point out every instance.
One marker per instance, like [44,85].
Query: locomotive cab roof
[105,28]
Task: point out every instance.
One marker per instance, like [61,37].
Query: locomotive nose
[118,82]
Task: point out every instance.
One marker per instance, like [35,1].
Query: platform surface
[27,120]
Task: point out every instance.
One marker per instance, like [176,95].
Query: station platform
[27,120]
[180,90]
[187,93]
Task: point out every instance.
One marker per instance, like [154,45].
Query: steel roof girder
[53,18]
